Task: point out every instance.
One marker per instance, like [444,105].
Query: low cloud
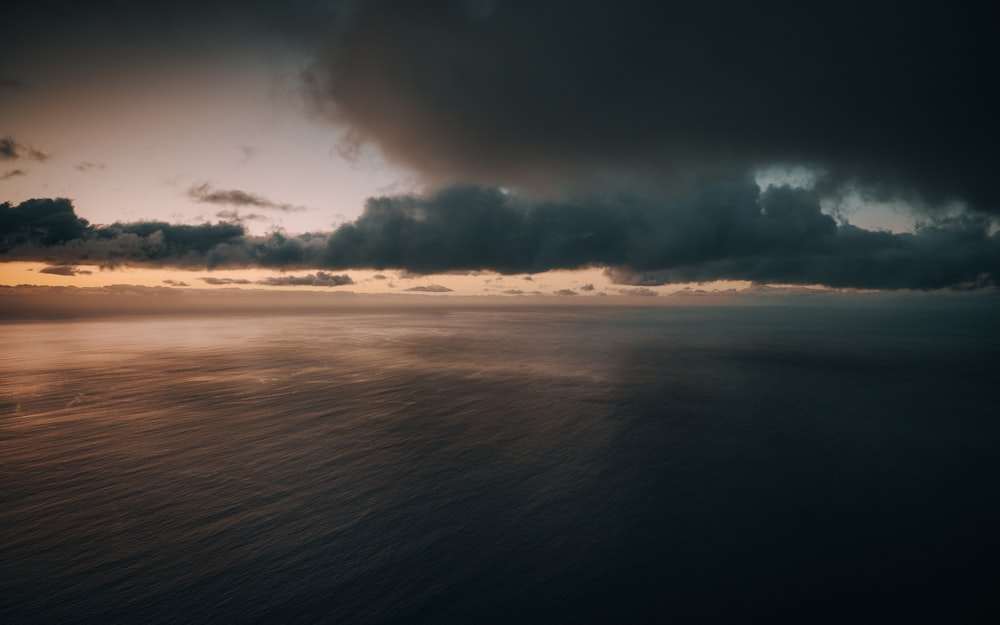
[224,281]
[433,288]
[320,278]
[64,270]
[205,194]
[733,230]
[175,283]
[643,291]
[565,292]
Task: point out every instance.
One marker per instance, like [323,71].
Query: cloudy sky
[505,146]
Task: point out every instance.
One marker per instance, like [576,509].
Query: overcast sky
[848,144]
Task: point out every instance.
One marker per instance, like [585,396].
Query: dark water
[512,466]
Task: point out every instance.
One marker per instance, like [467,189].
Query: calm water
[514,466]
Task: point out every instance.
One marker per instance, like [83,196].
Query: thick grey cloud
[235,197]
[320,278]
[897,95]
[730,230]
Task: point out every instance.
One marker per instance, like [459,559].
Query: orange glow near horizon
[583,282]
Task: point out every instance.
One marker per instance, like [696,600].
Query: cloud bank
[731,230]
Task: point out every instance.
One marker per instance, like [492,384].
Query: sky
[500,146]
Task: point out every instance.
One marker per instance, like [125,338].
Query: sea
[509,464]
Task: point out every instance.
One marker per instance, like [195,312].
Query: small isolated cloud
[89,166]
[175,283]
[320,278]
[565,292]
[222,281]
[12,150]
[639,291]
[514,292]
[11,84]
[205,194]
[433,288]
[587,287]
[11,173]
[64,270]
[528,278]
[379,276]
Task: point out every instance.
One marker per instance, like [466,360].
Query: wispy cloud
[10,149]
[223,281]
[205,194]
[12,173]
[64,270]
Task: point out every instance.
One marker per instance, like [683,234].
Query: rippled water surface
[469,466]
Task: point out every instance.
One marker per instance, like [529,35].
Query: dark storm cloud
[897,95]
[320,278]
[235,197]
[726,230]
[64,270]
[12,150]
[730,230]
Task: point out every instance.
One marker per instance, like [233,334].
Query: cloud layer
[731,230]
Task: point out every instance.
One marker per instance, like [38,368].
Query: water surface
[510,465]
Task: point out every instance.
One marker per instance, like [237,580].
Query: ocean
[511,464]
